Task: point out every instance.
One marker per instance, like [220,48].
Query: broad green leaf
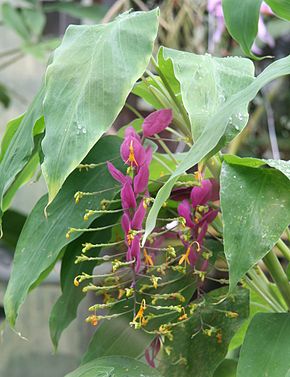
[143,90]
[266,349]
[280,7]
[114,366]
[199,356]
[281,165]
[13,18]
[227,368]
[92,73]
[16,150]
[65,309]
[214,131]
[248,196]
[241,18]
[257,305]
[42,238]
[34,19]
[206,83]
[93,12]
[10,130]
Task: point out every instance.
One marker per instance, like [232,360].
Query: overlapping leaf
[214,130]
[42,238]
[92,73]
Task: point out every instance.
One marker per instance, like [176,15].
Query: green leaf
[114,366]
[65,309]
[42,49]
[266,349]
[280,7]
[199,356]
[93,12]
[34,19]
[43,238]
[13,222]
[206,83]
[120,331]
[92,73]
[4,96]
[227,368]
[257,305]
[281,165]
[13,18]
[10,130]
[214,131]
[18,145]
[241,18]
[248,196]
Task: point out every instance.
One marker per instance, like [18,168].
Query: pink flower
[132,151]
[157,122]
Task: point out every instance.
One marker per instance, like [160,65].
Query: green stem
[214,166]
[261,293]
[134,111]
[172,94]
[284,249]
[166,149]
[278,274]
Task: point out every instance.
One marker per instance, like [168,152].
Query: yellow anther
[92,319]
[183,316]
[131,158]
[148,259]
[232,314]
[76,281]
[154,280]
[184,257]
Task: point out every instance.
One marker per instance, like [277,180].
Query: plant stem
[9,52]
[284,249]
[134,111]
[166,149]
[278,274]
[214,166]
[172,94]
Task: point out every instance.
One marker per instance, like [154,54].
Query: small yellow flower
[147,258]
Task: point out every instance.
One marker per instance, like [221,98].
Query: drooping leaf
[84,95]
[34,19]
[200,355]
[65,309]
[18,146]
[114,366]
[241,18]
[206,83]
[280,7]
[93,12]
[43,238]
[266,349]
[248,196]
[13,18]
[214,131]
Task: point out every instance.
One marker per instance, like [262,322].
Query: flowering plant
[169,234]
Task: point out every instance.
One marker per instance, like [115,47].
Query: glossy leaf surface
[280,7]
[92,73]
[255,204]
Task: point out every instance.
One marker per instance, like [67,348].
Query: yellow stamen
[131,157]
[148,259]
[184,257]
[183,316]
[140,313]
[93,320]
